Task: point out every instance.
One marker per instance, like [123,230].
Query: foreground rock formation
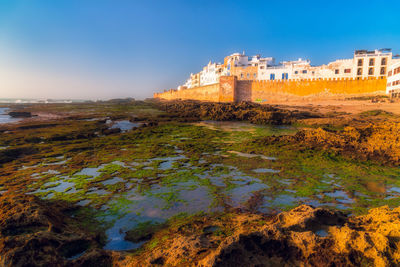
[304,236]
[38,233]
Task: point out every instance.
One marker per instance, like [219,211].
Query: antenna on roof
[243,52]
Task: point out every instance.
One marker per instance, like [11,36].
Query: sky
[102,49]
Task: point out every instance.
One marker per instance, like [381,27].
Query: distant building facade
[245,67]
[364,64]
[393,80]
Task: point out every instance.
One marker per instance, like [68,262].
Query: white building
[286,70]
[210,73]
[393,80]
[371,63]
[364,64]
[242,61]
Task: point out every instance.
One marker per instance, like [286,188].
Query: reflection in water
[125,125]
[247,155]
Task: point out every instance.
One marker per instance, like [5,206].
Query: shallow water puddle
[5,118]
[156,205]
[321,233]
[166,162]
[112,181]
[265,170]
[59,186]
[242,194]
[247,155]
[124,125]
[161,187]
[341,196]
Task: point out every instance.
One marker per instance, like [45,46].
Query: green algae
[202,162]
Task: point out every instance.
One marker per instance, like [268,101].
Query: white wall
[393,78]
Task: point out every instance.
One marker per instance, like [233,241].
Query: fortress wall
[230,89]
[203,93]
[261,91]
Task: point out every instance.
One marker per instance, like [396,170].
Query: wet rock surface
[289,239]
[229,180]
[244,111]
[34,232]
[20,114]
[378,142]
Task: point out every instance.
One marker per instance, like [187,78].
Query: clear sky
[100,49]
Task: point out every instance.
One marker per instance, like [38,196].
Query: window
[360,62]
[383,71]
[262,67]
[241,75]
[359,71]
[336,71]
[304,71]
[371,61]
[285,76]
[248,75]
[347,70]
[371,71]
[272,76]
[296,72]
[255,75]
[384,61]
[390,73]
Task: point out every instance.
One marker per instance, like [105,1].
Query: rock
[243,111]
[38,233]
[110,131]
[290,238]
[10,154]
[378,142]
[20,114]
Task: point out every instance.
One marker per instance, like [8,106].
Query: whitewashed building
[364,64]
[210,73]
[286,70]
[393,80]
[242,61]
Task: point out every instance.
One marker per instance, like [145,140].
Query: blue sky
[99,49]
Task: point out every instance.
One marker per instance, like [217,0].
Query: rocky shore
[304,187]
[34,232]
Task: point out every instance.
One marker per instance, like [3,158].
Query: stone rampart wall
[230,89]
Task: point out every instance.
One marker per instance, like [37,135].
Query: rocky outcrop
[244,111]
[304,236]
[20,114]
[35,232]
[39,233]
[378,142]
